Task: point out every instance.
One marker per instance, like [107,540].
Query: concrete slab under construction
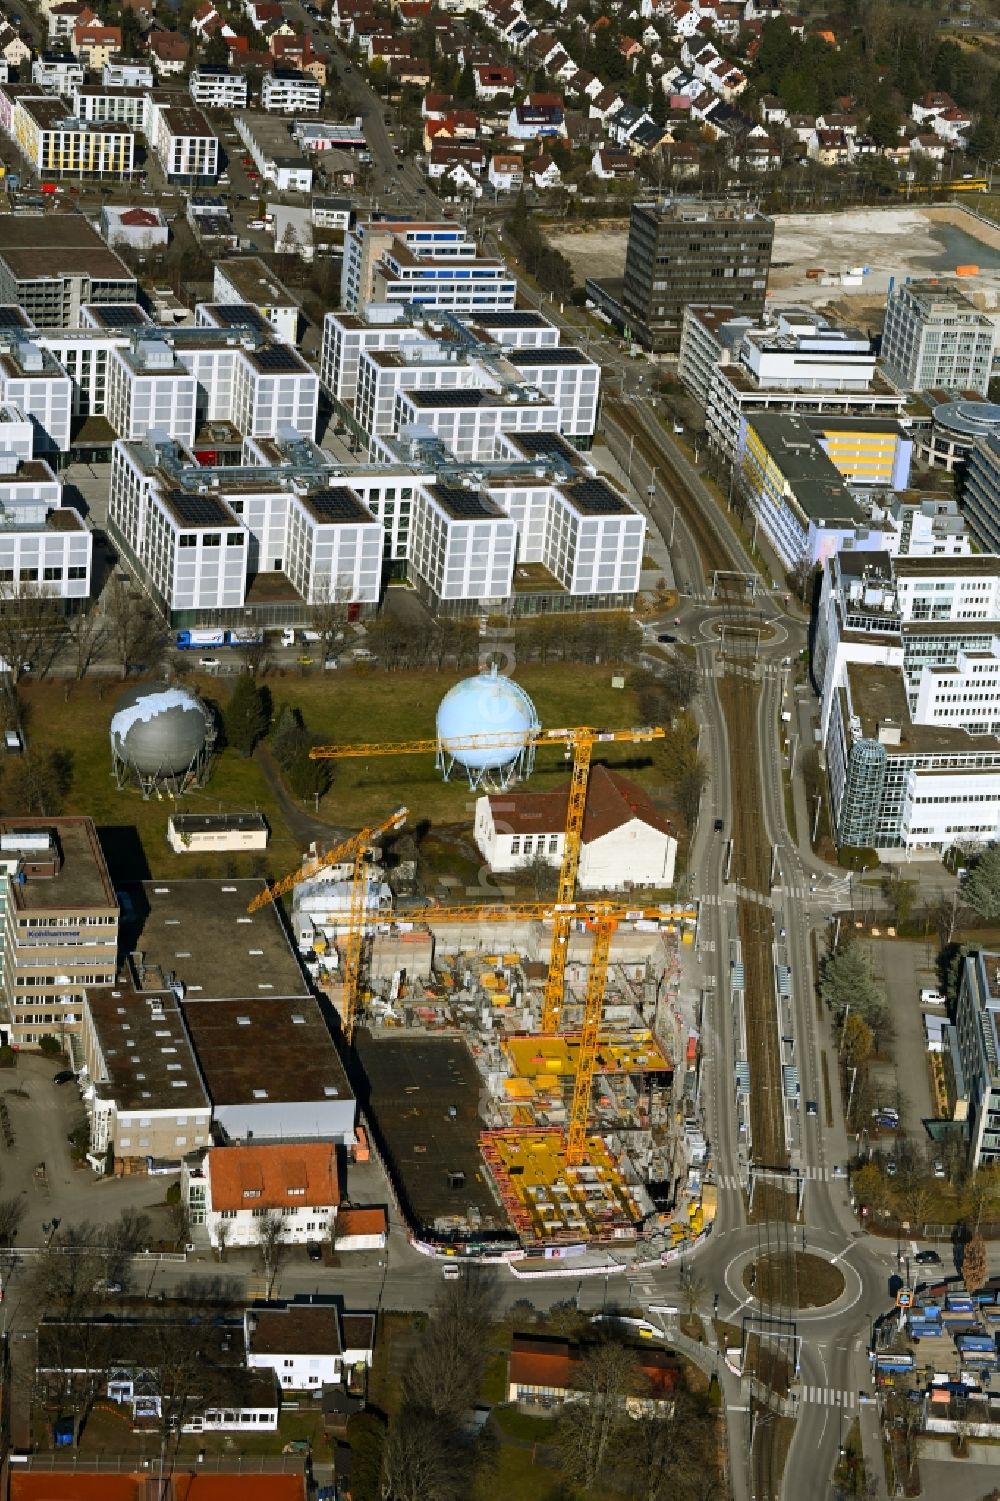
[542,1058]
[552,1204]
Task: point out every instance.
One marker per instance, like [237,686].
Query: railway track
[713,549]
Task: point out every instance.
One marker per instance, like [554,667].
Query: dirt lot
[891,242]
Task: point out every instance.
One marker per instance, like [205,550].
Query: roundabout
[800,1280]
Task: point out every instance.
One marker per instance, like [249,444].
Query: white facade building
[127,73]
[213,86]
[185,143]
[334,547]
[626,841]
[286,92]
[33,381]
[462,545]
[935,339]
[469,422]
[432,265]
[247,280]
[907,653]
[150,390]
[236,1185]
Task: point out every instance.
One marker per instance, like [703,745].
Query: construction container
[968,270]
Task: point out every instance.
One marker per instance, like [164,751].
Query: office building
[100,105]
[32,380]
[146,1101]
[430,264]
[150,390]
[685,250]
[974,1055]
[213,86]
[61,927]
[805,478]
[794,362]
[955,429]
[981,493]
[907,653]
[51,265]
[936,340]
[43,544]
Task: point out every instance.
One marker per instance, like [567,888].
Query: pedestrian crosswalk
[811,1174]
[828,1396]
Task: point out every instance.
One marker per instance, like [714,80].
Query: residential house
[307,1342]
[169,52]
[683,161]
[506,172]
[802,127]
[13,49]
[435,106]
[445,155]
[491,81]
[539,116]
[953,126]
[545,1370]
[758,152]
[612,166]
[929,146]
[543,172]
[605,104]
[927,109]
[95,44]
[772,111]
[830,148]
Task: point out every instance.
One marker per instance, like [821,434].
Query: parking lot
[902,970]
[38,1162]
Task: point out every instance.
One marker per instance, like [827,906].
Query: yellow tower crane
[604,918]
[351,851]
[579,743]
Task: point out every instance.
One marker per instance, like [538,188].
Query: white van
[932,998]
[287,636]
[451,1271]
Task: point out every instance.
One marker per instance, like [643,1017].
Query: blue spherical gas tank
[486,705]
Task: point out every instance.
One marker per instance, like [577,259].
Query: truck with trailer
[200,637]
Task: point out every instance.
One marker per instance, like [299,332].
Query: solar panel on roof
[198,510]
[510,318]
[595,497]
[446,398]
[120,315]
[540,445]
[238,315]
[462,504]
[337,504]
[566,355]
[276,359]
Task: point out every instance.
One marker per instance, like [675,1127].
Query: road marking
[828,1396]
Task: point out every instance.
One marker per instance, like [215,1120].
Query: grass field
[352,706]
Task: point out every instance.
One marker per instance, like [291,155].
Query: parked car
[927,1258]
[666,638]
[314,1251]
[890,1168]
[64,1076]
[451,1271]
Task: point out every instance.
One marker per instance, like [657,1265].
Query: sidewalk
[708,1358]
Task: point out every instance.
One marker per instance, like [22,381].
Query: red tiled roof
[361,1222]
[539,1360]
[265,1177]
[140,218]
[612,801]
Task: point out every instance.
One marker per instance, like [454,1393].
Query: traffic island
[797,1281]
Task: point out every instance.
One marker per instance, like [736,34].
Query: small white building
[237,1186]
[210,833]
[136,228]
[127,73]
[627,842]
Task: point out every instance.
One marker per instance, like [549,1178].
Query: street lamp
[628,467]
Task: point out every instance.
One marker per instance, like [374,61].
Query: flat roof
[281,1046]
[878,695]
[816,483]
[336,505]
[186,120]
[277,359]
[147,1054]
[548,354]
[423,1100]
[593,496]
[202,932]
[462,504]
[57,244]
[216,823]
[82,881]
[253,282]
[980,564]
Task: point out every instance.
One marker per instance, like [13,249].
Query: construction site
[529,1071]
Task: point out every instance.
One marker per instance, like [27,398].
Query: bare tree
[86,633]
[588,1427]
[272,1246]
[32,629]
[328,613]
[425,1460]
[445,1380]
[692,1285]
[136,631]
[975,1269]
[223,1231]
[12,1212]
